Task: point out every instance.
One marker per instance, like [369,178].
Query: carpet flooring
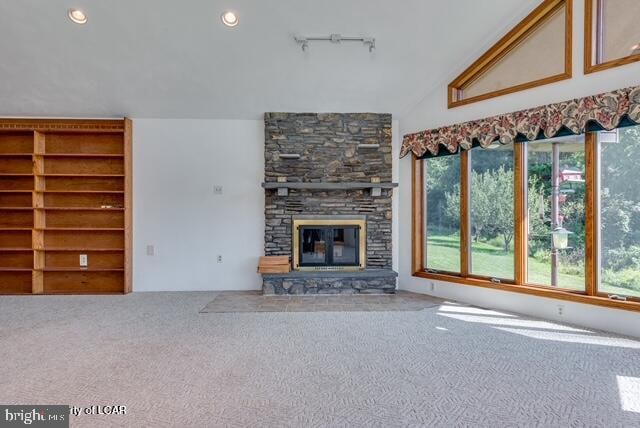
[446,366]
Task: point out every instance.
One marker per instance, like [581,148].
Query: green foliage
[623,258]
[491,205]
[627,278]
[442,176]
[539,207]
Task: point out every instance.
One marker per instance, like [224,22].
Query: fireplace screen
[328,246]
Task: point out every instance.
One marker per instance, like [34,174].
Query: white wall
[432,112]
[176,165]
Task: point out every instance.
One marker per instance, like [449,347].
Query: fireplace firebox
[329,243]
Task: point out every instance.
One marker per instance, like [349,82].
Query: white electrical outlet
[219,259]
[217,189]
[84,260]
[560,310]
[151,250]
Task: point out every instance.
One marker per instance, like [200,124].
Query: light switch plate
[151,250]
[84,260]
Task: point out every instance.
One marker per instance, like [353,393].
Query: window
[612,34]
[491,211]
[513,63]
[555,218]
[556,205]
[442,196]
[620,212]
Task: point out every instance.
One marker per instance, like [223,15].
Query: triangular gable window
[536,52]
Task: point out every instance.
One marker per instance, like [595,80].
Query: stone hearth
[328,162]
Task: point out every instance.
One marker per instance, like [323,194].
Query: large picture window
[442,197]
[556,204]
[557,217]
[491,212]
[620,213]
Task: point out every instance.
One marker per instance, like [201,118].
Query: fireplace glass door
[322,246]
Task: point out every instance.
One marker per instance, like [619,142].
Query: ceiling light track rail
[303,41]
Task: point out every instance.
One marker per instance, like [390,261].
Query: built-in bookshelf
[65,206]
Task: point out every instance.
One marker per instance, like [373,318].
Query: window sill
[534,291]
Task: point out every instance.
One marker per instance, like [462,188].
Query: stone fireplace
[328,203]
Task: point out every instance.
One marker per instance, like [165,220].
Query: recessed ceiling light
[77,16]
[230,19]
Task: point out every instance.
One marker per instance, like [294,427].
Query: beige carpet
[445,366]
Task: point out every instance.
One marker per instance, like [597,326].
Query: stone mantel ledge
[328,186]
[367,273]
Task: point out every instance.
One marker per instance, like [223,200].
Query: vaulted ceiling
[175,59]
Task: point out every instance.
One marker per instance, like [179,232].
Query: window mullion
[592,211]
[465,205]
[520,213]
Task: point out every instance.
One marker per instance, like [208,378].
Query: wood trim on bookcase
[590,296]
[590,62]
[128,205]
[62,125]
[417,216]
[39,219]
[507,43]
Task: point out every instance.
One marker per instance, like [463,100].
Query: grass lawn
[443,253]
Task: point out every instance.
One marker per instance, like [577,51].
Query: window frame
[426,233]
[591,294]
[591,37]
[510,41]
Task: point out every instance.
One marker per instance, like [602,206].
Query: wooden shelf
[80,269]
[15,174]
[16,155]
[115,192]
[85,249]
[81,155]
[78,209]
[23,229]
[10,269]
[81,175]
[16,208]
[16,191]
[82,229]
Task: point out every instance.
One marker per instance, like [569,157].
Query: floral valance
[604,111]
